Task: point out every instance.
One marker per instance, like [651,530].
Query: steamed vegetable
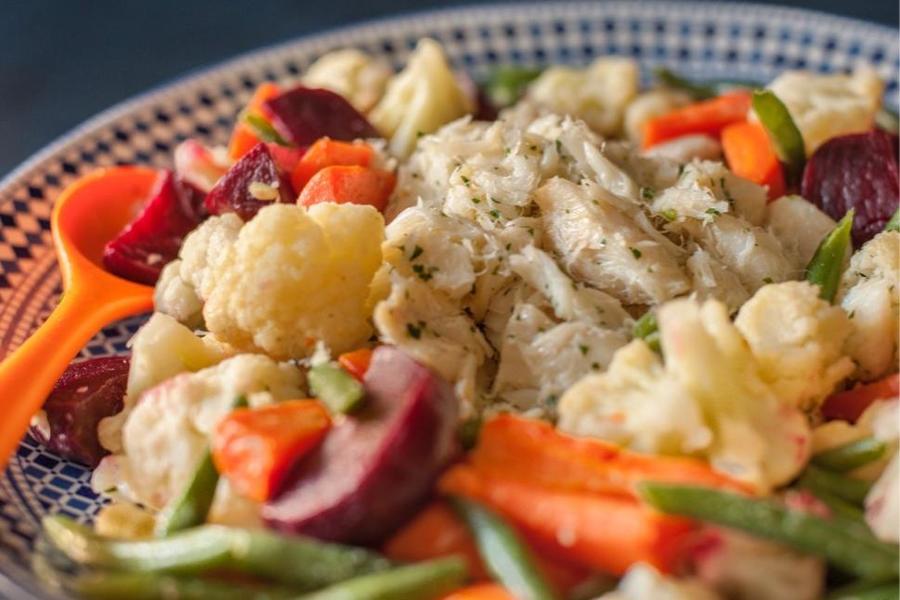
[846,544]
[647,329]
[708,116]
[481,591]
[251,183]
[155,586]
[893,223]
[339,390]
[423,581]
[503,552]
[782,131]
[356,362]
[327,152]
[255,448]
[505,85]
[302,115]
[851,455]
[298,562]
[750,154]
[244,138]
[850,404]
[85,393]
[376,466]
[841,486]
[349,183]
[827,263]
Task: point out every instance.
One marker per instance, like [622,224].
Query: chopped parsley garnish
[414,331]
[416,253]
[584,349]
[424,273]
[767,280]
[635,252]
[670,214]
[648,193]
[465,179]
[495,214]
[713,212]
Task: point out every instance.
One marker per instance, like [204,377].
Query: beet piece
[87,392]
[302,115]
[232,192]
[855,171]
[154,237]
[374,468]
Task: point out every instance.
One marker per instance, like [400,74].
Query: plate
[709,40]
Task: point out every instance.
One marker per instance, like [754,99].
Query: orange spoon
[87,214]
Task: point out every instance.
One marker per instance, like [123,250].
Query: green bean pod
[505,85]
[782,130]
[335,387]
[504,554]
[421,581]
[850,456]
[866,590]
[263,129]
[299,562]
[827,264]
[846,488]
[846,544]
[156,586]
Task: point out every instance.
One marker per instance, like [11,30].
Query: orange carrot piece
[349,183]
[481,591]
[606,533]
[708,116]
[750,154]
[327,153]
[434,533]
[356,362]
[850,404]
[243,138]
[255,448]
[536,452]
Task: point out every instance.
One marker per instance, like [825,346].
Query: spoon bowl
[87,214]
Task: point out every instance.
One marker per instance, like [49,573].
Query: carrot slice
[327,153]
[349,183]
[750,154]
[255,448]
[708,116]
[536,452]
[607,533]
[850,404]
[243,138]
[356,362]
[481,591]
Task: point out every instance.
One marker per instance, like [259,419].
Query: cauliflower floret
[419,99]
[168,430]
[799,243]
[649,105]
[176,297]
[643,582]
[161,349]
[870,294]
[602,246]
[353,74]
[826,106]
[598,94]
[292,277]
[797,338]
[706,399]
[434,330]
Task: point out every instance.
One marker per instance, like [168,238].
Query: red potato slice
[375,468]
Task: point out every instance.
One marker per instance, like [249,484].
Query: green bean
[263,129]
[782,130]
[295,561]
[827,264]
[155,586]
[893,223]
[421,581]
[866,590]
[847,488]
[846,544]
[468,432]
[850,456]
[190,508]
[505,85]
[647,329]
[887,120]
[504,554]
[334,386]
[838,505]
[673,80]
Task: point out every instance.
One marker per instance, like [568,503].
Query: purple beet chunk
[856,171]
[375,468]
[302,115]
[153,239]
[232,192]
[87,392]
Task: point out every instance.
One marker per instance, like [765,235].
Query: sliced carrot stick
[607,533]
[537,453]
[349,183]
[750,154]
[481,591]
[326,153]
[850,404]
[255,448]
[356,362]
[708,116]
[243,138]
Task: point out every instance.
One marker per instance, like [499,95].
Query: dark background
[65,60]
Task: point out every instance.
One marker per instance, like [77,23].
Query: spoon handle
[28,374]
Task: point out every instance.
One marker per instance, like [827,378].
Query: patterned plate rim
[17,581]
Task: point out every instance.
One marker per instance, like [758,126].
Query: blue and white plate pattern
[709,40]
